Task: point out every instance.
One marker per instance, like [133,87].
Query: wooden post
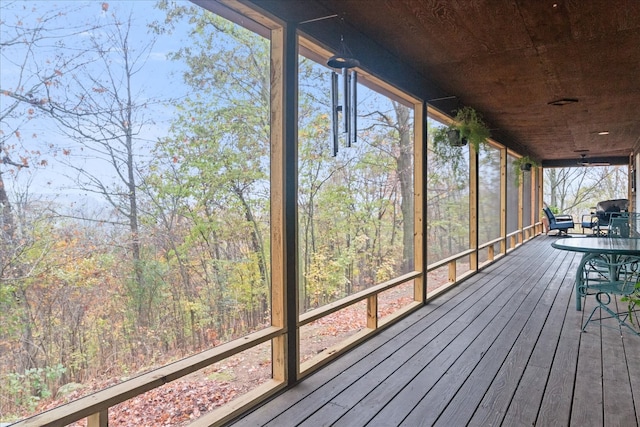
[503,200]
[278,275]
[452,271]
[290,119]
[372,312]
[474,179]
[101,419]
[420,201]
[284,181]
[519,238]
[541,198]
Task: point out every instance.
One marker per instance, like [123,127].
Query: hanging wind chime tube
[354,105]
[346,62]
[334,114]
[346,107]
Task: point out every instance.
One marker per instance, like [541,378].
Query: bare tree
[105,116]
[88,87]
[33,61]
[577,189]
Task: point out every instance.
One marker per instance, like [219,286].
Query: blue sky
[158,79]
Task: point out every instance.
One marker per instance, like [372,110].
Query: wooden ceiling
[509,59]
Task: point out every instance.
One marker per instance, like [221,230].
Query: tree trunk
[405,175]
[8,226]
[258,246]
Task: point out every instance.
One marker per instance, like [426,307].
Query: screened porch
[292,243]
[503,348]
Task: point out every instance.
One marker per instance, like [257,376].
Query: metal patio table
[609,248]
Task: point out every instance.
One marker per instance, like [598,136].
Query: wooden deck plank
[555,408]
[492,384]
[616,389]
[362,401]
[393,353]
[324,385]
[503,348]
[587,402]
[514,396]
[433,338]
[529,394]
[631,348]
[483,362]
[440,354]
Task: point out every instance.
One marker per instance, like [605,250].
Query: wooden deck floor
[503,348]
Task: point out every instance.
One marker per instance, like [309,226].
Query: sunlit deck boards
[504,348]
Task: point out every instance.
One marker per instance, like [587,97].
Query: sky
[159,78]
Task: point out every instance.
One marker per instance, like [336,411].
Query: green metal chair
[625,224]
[607,209]
[611,278]
[619,227]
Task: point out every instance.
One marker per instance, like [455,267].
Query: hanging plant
[523,164]
[467,127]
[471,127]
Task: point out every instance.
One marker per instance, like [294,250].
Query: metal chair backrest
[625,224]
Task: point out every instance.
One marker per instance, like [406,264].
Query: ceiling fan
[584,162]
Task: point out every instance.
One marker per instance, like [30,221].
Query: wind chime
[345,62]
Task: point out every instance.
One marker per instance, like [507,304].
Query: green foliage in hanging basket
[467,126]
[471,127]
[523,164]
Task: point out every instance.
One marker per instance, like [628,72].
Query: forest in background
[135,195]
[135,192]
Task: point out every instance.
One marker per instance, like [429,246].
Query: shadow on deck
[503,348]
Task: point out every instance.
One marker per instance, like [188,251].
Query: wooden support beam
[372,312]
[520,208]
[420,200]
[452,271]
[540,195]
[278,189]
[474,180]
[533,196]
[503,200]
[100,419]
[290,203]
